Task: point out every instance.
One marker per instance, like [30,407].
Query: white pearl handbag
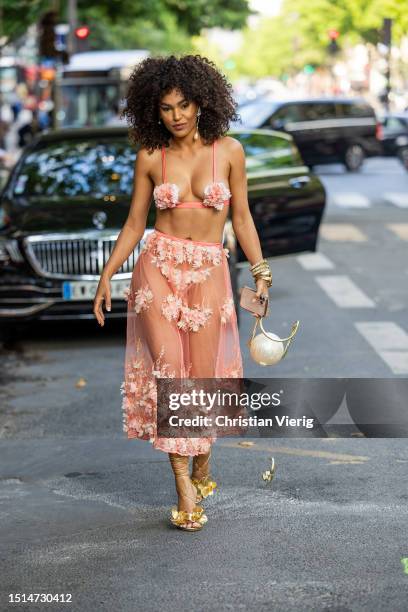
[268,348]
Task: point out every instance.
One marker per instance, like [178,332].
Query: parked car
[68,197]
[326,130]
[402,155]
[394,136]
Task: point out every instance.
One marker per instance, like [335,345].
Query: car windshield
[77,168]
[256,113]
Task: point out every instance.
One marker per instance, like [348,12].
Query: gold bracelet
[257,263]
[263,262]
[265,275]
[264,266]
[265,270]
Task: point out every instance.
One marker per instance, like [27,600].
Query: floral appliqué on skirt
[181,322]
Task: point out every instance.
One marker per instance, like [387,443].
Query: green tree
[299,34]
[157,24]
[17,15]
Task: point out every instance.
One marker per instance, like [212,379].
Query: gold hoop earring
[195,137]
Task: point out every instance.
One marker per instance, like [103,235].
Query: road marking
[350,200]
[343,292]
[298,452]
[315,261]
[399,229]
[355,461]
[389,341]
[397,199]
[345,232]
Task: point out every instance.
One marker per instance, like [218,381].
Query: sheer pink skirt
[181,323]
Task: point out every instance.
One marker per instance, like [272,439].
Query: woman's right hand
[262,292]
[103,292]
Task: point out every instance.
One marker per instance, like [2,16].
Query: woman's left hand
[261,290]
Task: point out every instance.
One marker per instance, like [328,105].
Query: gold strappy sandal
[188,521]
[204,485]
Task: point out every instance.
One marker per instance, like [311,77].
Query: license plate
[85,290]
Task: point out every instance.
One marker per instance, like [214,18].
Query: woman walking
[181,318]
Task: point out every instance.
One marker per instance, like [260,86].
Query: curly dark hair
[197,78]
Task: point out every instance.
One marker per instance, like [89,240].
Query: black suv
[394,136]
[326,130]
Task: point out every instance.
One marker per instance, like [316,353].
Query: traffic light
[333,47]
[81,36]
[46,41]
[82,32]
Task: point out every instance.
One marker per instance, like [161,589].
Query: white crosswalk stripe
[315,261]
[389,341]
[341,232]
[399,229]
[343,292]
[399,199]
[350,199]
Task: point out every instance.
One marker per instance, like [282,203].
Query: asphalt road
[85,511]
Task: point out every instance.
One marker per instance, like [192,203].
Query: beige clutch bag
[246,301]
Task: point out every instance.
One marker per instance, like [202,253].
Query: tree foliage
[299,34]
[17,15]
[164,25]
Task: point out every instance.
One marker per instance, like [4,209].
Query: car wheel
[403,157]
[354,157]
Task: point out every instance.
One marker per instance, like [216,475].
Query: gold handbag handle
[289,339]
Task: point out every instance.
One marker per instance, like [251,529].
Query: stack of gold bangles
[262,270]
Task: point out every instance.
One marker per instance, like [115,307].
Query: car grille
[75,255]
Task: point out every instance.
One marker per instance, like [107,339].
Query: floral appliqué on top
[215,195]
[167,195]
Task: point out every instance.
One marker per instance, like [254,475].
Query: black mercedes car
[394,136]
[68,196]
[325,130]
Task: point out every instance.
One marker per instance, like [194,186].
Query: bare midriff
[205,225]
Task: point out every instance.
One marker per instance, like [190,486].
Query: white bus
[90,89]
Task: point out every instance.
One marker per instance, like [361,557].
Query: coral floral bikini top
[166,195]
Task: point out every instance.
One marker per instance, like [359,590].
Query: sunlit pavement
[85,511]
